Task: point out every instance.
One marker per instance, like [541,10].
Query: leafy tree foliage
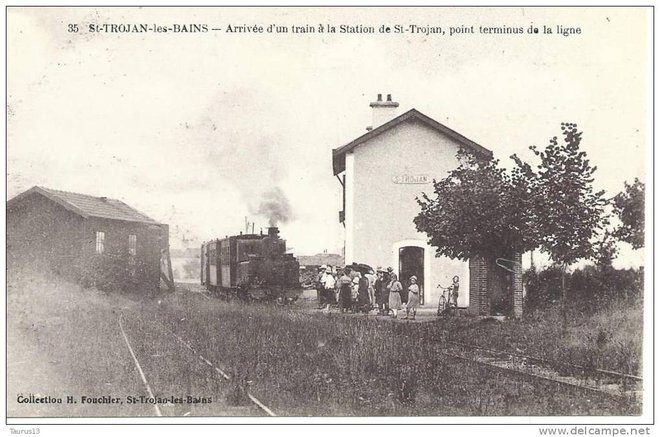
[605,250]
[481,209]
[478,209]
[629,206]
[570,215]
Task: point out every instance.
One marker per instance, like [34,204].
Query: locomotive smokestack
[273,231]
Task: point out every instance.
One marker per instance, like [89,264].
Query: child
[453,292]
[413,298]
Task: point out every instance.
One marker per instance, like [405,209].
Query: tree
[629,206]
[481,209]
[478,209]
[569,215]
[605,250]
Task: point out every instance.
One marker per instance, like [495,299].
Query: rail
[139,368]
[523,365]
[252,398]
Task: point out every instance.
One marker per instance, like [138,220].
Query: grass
[609,337]
[59,343]
[64,340]
[297,363]
[320,364]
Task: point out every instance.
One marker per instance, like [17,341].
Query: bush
[589,286]
[111,272]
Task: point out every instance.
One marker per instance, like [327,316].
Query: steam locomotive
[251,267]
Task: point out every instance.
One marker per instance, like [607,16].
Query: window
[132,245]
[100,242]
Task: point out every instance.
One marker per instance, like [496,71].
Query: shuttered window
[100,242]
[132,245]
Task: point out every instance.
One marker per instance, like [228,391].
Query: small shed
[97,241]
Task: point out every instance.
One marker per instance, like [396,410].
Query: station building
[381,174]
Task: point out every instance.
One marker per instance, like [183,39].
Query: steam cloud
[250,157]
[275,206]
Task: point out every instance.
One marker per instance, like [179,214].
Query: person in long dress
[345,285]
[395,295]
[363,299]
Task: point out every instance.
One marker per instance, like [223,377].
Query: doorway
[411,262]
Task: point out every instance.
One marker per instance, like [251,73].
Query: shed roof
[88,206]
[339,154]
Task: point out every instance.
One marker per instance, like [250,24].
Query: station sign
[412,179]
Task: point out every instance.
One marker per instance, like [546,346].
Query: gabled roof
[339,154]
[88,206]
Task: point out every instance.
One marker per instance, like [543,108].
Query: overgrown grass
[609,337]
[328,364]
[297,363]
[61,341]
[64,340]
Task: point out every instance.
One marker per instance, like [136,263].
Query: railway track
[224,375]
[138,367]
[605,382]
[158,412]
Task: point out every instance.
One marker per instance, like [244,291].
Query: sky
[200,130]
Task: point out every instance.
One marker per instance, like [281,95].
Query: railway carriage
[251,266]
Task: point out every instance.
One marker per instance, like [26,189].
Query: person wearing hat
[345,283]
[328,283]
[354,291]
[384,292]
[413,298]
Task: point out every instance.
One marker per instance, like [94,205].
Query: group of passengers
[358,288]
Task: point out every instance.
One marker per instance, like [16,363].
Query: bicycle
[444,305]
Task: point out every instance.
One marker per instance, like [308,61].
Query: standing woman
[377,287]
[413,298]
[385,292]
[363,299]
[395,294]
[345,285]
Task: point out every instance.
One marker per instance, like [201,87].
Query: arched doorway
[411,262]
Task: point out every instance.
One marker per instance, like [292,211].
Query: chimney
[383,111]
[273,232]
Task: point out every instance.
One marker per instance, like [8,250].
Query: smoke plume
[231,147]
[275,207]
